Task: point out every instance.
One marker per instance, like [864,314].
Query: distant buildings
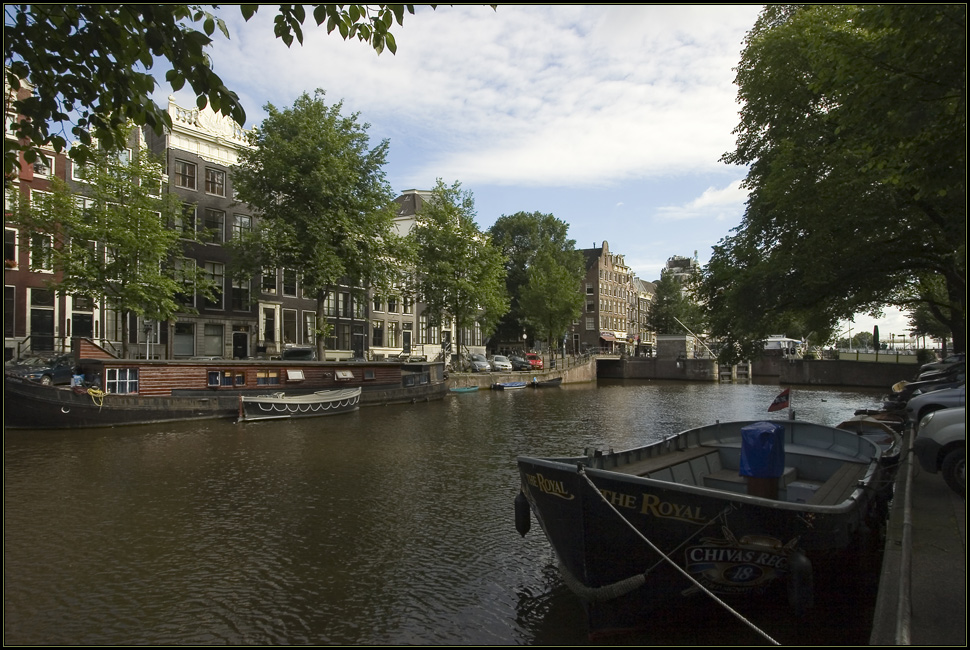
[260,316]
[615,309]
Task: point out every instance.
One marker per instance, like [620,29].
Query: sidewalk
[923,585]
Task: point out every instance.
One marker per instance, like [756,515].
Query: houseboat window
[240,378]
[121,381]
[368,374]
[267,377]
[213,378]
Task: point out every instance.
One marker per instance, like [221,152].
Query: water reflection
[391,525]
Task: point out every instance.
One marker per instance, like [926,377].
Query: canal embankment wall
[572,371]
[810,372]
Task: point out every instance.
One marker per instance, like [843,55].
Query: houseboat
[108,391]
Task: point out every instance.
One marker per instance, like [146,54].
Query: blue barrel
[762,450]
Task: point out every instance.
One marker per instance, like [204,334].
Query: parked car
[960,367]
[904,391]
[535,360]
[501,363]
[299,353]
[520,363]
[920,406]
[46,370]
[479,363]
[943,363]
[941,443]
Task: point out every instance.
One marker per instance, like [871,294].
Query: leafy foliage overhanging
[89,65]
[853,125]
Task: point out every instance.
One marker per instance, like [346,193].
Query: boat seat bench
[840,485]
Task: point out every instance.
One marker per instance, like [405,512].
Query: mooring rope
[97,396]
[666,558]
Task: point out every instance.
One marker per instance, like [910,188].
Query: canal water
[391,525]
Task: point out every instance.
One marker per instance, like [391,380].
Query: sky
[612,118]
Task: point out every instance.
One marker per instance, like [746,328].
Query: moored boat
[508,385]
[464,389]
[280,405]
[711,509]
[118,392]
[555,382]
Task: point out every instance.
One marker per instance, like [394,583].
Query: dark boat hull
[626,544]
[30,405]
[549,383]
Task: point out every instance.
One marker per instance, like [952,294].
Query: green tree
[88,64]
[853,126]
[551,299]
[114,243]
[522,238]
[323,204]
[671,304]
[462,277]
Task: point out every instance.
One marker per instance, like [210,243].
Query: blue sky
[613,118]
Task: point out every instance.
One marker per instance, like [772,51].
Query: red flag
[781,402]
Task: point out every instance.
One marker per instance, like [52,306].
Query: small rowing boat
[280,405]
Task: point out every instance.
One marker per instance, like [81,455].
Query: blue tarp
[762,450]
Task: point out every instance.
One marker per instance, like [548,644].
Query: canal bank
[572,370]
[794,372]
[923,583]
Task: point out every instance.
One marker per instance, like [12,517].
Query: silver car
[479,363]
[920,405]
[501,363]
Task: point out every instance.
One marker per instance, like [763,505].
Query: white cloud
[718,204]
[536,95]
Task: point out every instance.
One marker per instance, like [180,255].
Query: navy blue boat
[635,531]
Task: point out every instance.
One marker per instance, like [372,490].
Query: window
[185,276]
[378,304]
[377,337]
[215,182]
[392,304]
[212,344]
[82,317]
[393,334]
[240,295]
[267,377]
[289,282]
[187,223]
[289,326]
[9,302]
[10,257]
[41,252]
[269,281]
[44,167]
[269,324]
[590,323]
[184,175]
[184,343]
[408,305]
[218,378]
[330,305]
[214,273]
[241,224]
[215,221]
[121,381]
[309,327]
